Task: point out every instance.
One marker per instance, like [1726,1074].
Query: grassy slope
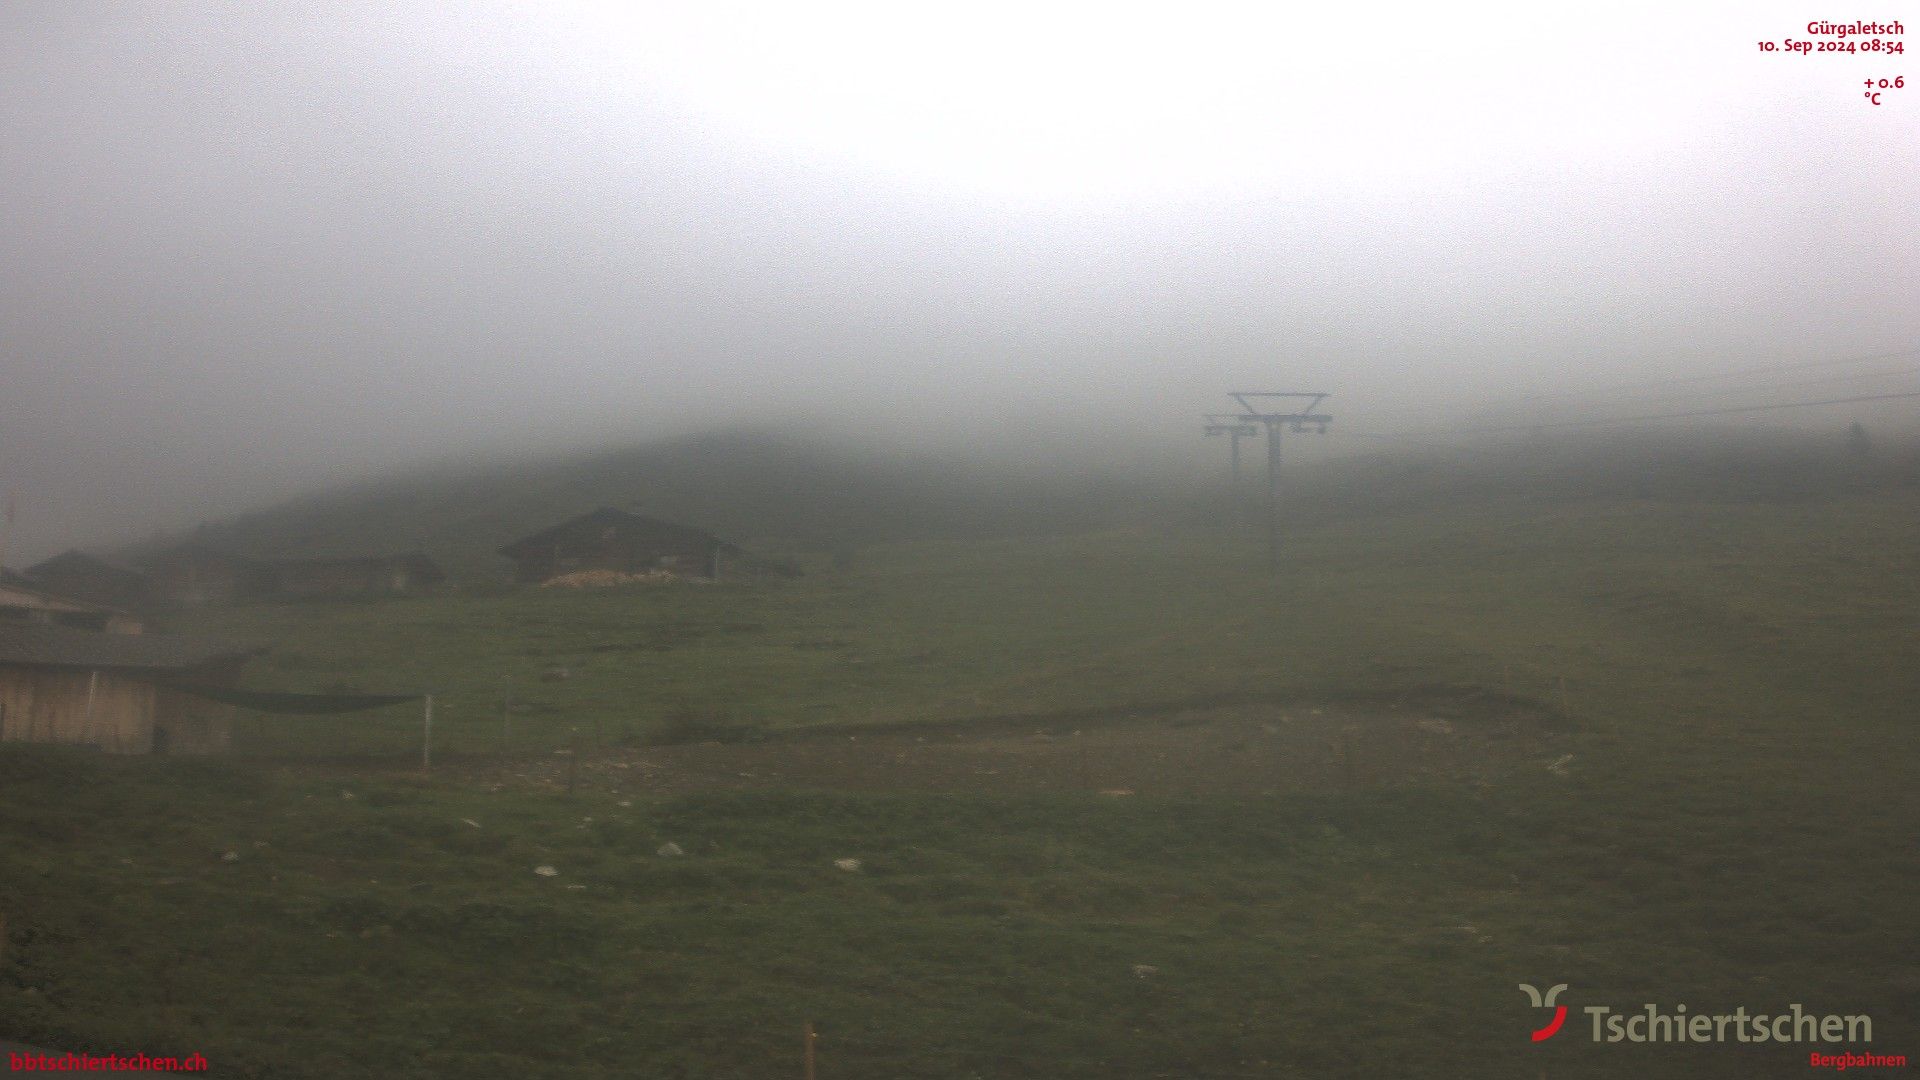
[1736,827]
[774,492]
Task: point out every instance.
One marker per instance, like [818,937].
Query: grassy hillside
[1696,720]
[803,494]
[775,492]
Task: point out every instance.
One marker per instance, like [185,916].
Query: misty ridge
[264,253]
[811,492]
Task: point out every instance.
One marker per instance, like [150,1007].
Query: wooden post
[1566,707]
[506,721]
[426,737]
[1273,495]
[573,761]
[806,1049]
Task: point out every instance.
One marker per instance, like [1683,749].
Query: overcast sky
[253,248]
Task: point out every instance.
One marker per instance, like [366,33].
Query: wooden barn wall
[50,705]
[625,556]
[94,585]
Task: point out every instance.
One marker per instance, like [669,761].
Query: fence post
[426,737]
[807,1049]
[573,761]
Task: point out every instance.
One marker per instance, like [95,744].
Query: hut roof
[18,586]
[609,518]
[44,645]
[74,558]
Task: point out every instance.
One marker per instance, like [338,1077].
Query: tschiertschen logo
[1545,1001]
[1654,1023]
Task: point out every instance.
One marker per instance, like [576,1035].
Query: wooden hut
[23,600]
[608,539]
[194,574]
[91,578]
[121,692]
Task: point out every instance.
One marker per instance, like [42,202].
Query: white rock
[851,866]
[668,850]
[546,871]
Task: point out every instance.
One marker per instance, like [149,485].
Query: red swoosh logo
[1545,1033]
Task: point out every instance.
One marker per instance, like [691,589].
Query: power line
[1700,412]
[1434,437]
[1682,380]
[1759,388]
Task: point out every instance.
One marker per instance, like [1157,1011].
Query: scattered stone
[1437,727]
[469,821]
[851,866]
[346,794]
[669,850]
[1558,766]
[546,871]
[626,802]
[231,856]
[1142,971]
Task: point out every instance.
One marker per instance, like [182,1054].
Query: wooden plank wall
[50,705]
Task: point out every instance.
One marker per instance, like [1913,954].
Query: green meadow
[1727,817]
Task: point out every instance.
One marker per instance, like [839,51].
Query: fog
[256,249]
